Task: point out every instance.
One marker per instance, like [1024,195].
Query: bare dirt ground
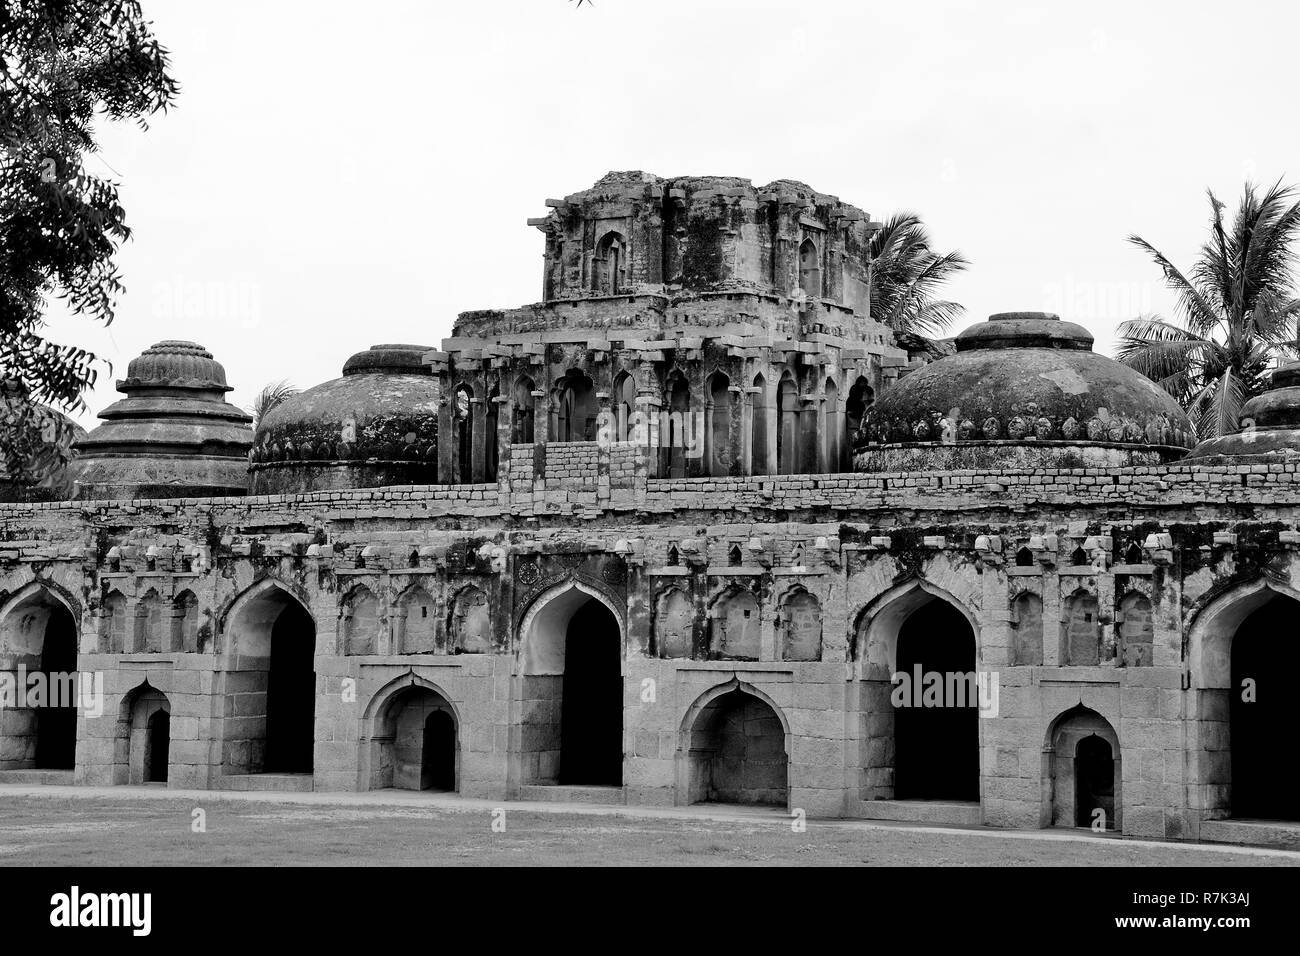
[133,826]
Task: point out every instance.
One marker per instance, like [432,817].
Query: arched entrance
[143,737]
[270,698]
[39,634]
[936,737]
[414,746]
[1081,772]
[1265,654]
[736,752]
[914,650]
[572,689]
[1241,651]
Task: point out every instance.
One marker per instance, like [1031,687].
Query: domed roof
[174,435]
[1270,423]
[376,425]
[1023,389]
[174,363]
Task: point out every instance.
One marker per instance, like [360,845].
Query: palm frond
[271,395]
[907,276]
[1201,317]
[1216,409]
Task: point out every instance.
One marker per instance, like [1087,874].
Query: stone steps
[283,782]
[38,777]
[1280,834]
[570,794]
[948,812]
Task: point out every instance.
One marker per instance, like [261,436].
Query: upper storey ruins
[643,253]
[635,232]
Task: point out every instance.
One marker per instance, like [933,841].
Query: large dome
[173,435]
[1023,389]
[376,425]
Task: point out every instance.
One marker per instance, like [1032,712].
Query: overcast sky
[337,175]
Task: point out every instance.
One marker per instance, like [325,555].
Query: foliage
[1235,316]
[907,275]
[270,396]
[64,64]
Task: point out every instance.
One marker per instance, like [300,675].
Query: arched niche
[1082,778]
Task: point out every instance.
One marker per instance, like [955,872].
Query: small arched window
[463,422]
[521,432]
[810,273]
[575,408]
[610,272]
[1027,630]
[1082,630]
[861,397]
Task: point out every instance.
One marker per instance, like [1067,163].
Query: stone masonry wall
[864,551]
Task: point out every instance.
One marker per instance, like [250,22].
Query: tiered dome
[375,426]
[1270,424]
[174,435]
[1024,390]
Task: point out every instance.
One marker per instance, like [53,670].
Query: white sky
[337,175]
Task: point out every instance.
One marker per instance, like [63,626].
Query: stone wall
[791,591]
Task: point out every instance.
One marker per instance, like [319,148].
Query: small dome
[173,435]
[388,358]
[376,425]
[1270,424]
[175,364]
[1023,389]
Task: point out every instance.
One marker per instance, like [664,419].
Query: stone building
[694,528]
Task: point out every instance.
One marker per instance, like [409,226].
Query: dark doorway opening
[1265,772]
[1094,782]
[591,712]
[438,752]
[291,693]
[159,743]
[56,726]
[937,747]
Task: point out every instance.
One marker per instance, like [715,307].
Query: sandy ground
[130,826]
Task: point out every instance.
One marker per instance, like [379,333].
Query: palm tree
[906,275]
[1235,317]
[270,396]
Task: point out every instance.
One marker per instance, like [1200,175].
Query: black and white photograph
[650,434]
